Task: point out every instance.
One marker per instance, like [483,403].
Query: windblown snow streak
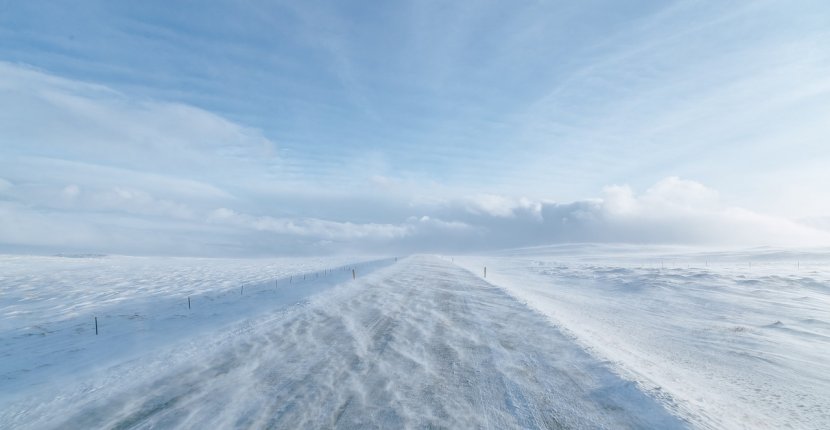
[738,340]
[49,305]
[419,344]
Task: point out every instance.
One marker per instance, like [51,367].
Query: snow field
[729,340]
[49,305]
[421,343]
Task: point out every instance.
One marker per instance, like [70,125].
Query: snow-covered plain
[49,305]
[730,340]
[410,344]
[554,337]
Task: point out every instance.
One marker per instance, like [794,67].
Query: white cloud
[137,202]
[670,195]
[672,211]
[500,206]
[620,199]
[50,117]
[415,231]
[678,211]
[675,194]
[310,227]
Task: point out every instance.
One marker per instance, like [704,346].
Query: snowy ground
[413,344]
[555,337]
[733,340]
[49,305]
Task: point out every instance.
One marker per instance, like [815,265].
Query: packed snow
[732,340]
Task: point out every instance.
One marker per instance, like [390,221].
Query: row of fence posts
[326,272]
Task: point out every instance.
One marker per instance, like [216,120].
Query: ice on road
[420,344]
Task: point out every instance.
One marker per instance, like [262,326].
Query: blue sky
[327,126]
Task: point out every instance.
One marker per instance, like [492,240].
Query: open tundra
[547,340]
[735,340]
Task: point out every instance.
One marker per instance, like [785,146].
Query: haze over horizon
[259,128]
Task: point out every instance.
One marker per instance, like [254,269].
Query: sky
[266,127]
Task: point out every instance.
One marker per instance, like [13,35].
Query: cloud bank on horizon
[416,127]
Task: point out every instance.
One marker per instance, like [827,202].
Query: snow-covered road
[419,344]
